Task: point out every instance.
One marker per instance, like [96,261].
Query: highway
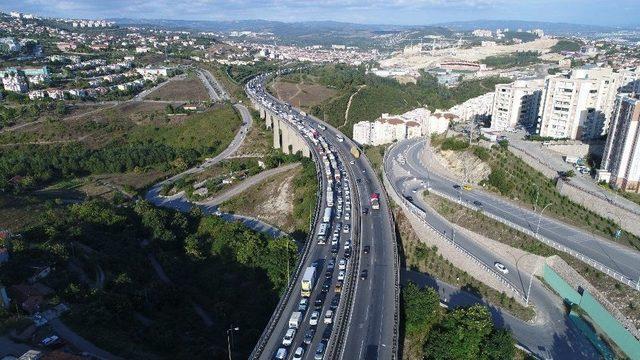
[552,335]
[619,258]
[364,324]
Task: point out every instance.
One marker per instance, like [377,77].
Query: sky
[400,12]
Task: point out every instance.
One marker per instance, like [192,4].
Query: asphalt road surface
[617,257]
[369,316]
[553,335]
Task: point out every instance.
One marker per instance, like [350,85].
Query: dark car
[308,336]
[335,302]
[327,332]
[477,203]
[347,253]
[326,285]
[335,249]
[328,274]
[320,300]
[367,249]
[365,210]
[410,198]
[456,186]
[364,274]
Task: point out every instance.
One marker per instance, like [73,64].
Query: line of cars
[314,313]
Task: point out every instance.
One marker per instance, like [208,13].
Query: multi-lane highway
[616,257]
[364,308]
[552,335]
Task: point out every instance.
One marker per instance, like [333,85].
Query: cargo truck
[308,281]
[327,215]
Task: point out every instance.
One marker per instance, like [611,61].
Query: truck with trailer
[308,281]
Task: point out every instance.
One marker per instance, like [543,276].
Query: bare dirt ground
[190,89]
[302,95]
[463,165]
[421,61]
[270,201]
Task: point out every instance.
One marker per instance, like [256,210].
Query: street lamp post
[230,331]
[529,289]
[453,230]
[540,218]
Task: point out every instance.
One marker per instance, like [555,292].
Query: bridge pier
[276,132]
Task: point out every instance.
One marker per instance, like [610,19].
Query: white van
[294,320]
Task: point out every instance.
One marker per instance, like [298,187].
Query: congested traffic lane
[324,295]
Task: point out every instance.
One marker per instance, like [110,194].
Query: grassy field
[622,296]
[302,95]
[189,90]
[259,140]
[426,259]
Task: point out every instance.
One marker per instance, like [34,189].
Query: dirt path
[346,112]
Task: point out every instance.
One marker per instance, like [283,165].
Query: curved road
[553,335]
[619,258]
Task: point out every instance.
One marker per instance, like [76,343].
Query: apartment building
[15,82]
[621,160]
[578,106]
[362,132]
[515,104]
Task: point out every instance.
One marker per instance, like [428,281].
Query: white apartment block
[621,160]
[482,33]
[362,132]
[477,107]
[15,82]
[630,80]
[578,106]
[515,104]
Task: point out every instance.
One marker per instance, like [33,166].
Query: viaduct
[285,135]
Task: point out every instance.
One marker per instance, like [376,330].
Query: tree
[461,334]
[421,309]
[500,345]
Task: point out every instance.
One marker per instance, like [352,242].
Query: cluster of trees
[520,58]
[232,272]
[383,95]
[566,45]
[32,165]
[304,198]
[463,333]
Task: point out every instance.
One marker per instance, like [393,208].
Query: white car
[328,317]
[281,354]
[313,320]
[341,275]
[347,216]
[352,162]
[345,229]
[299,353]
[342,264]
[287,340]
[503,269]
[347,244]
